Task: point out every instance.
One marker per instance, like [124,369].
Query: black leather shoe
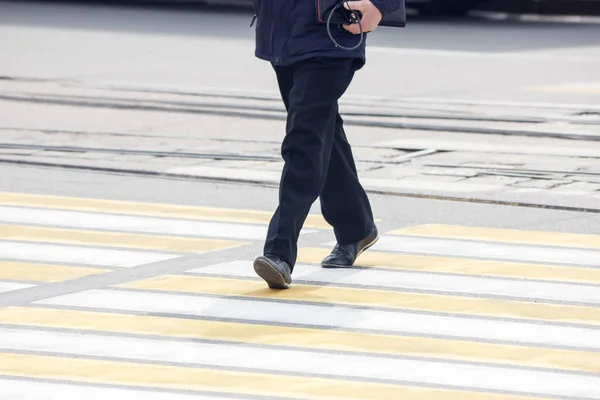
[276,272]
[344,256]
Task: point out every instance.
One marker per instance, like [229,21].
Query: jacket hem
[277,61]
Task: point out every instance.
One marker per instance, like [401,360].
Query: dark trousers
[318,158]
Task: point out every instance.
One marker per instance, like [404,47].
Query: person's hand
[371,17]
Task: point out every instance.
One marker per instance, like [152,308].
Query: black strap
[329,29]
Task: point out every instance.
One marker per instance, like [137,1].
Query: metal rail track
[274,113]
[75,149]
[418,113]
[196,155]
[537,173]
[270,185]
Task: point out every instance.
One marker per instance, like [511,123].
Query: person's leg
[344,202]
[285,82]
[318,83]
[345,205]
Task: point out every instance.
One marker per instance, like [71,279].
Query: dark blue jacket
[288,31]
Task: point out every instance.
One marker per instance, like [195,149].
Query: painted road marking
[30,390]
[294,337]
[398,280]
[500,251]
[112,239]
[460,266]
[502,235]
[427,326]
[339,317]
[44,272]
[341,366]
[12,286]
[373,298]
[203,379]
[79,255]
[148,209]
[123,223]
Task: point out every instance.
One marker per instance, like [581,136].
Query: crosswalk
[430,312]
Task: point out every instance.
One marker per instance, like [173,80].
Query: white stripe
[83,220]
[79,255]
[290,361]
[31,390]
[10,286]
[422,281]
[463,248]
[333,317]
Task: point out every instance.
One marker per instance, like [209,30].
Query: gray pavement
[543,160]
[392,211]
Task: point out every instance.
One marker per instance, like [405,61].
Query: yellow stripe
[503,235]
[44,272]
[303,337]
[373,298]
[462,266]
[187,378]
[148,209]
[112,239]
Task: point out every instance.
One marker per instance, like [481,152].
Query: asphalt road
[467,58]
[394,211]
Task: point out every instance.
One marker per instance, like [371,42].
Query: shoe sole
[273,278]
[367,247]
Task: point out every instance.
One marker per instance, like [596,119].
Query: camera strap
[332,12]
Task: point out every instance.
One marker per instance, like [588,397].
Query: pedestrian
[312,73]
